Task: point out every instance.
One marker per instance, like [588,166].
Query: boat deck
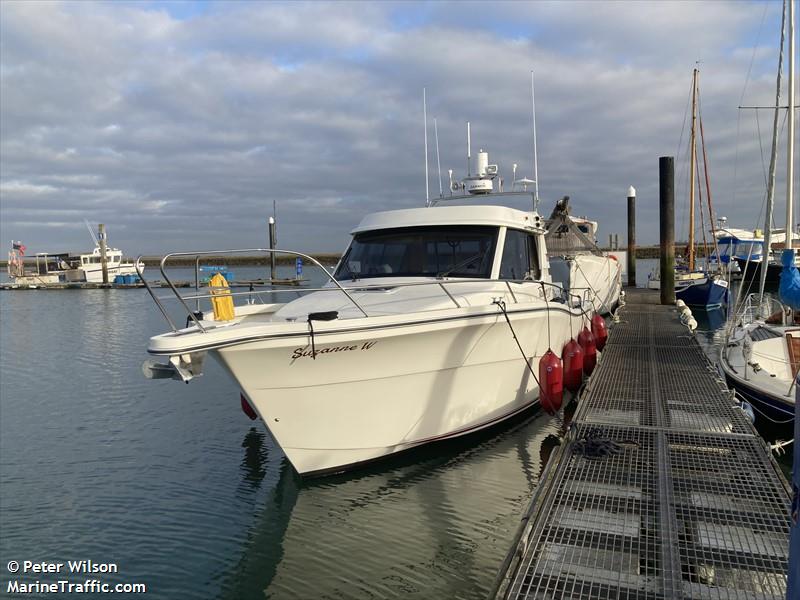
[661,489]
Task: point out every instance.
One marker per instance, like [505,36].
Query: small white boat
[761,357]
[46,268]
[576,261]
[51,268]
[431,327]
[88,267]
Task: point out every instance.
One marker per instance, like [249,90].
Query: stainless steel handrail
[152,295]
[197,256]
[561,292]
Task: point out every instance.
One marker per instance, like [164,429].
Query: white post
[438,163]
[425,124]
[469,152]
[790,142]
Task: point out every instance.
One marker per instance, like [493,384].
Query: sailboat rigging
[761,354]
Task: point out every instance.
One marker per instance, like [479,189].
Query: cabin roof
[499,216]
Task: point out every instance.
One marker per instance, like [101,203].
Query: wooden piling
[666,213]
[101,230]
[631,237]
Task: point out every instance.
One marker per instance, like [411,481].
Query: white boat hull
[764,376]
[598,278]
[94,274]
[372,394]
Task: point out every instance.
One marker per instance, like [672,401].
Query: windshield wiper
[462,264]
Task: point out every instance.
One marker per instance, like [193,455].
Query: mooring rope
[502,306]
[751,405]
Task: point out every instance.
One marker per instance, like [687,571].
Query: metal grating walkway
[662,488]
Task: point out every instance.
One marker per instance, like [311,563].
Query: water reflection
[434,522]
[711,319]
[255,457]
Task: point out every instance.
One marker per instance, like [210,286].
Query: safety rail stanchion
[197,256]
[449,295]
[178,295]
[197,282]
[152,295]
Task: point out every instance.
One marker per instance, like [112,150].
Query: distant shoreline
[326,259]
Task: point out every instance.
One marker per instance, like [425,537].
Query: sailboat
[697,287]
[761,354]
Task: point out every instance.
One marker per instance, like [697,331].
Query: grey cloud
[180,134]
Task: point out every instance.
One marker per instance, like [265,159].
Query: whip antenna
[438,164]
[535,158]
[425,124]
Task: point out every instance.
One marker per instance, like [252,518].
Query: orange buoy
[572,357]
[599,331]
[247,408]
[551,382]
[586,340]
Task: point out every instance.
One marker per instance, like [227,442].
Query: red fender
[599,331]
[572,357]
[586,341]
[551,382]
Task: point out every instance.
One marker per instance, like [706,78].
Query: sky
[180,124]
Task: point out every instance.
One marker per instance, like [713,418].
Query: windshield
[455,251]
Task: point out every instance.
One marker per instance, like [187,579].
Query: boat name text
[306,352]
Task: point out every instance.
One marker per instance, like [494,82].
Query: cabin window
[519,259]
[454,251]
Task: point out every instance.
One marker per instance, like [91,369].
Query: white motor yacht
[89,266]
[432,326]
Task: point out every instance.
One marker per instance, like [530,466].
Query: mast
[790,141]
[692,150]
[773,161]
[708,199]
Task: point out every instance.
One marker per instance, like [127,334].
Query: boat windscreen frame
[474,261]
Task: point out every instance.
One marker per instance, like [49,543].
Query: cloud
[179,125]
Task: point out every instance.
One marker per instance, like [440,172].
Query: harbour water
[175,485]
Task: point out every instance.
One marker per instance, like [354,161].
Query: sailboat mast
[790,142]
[692,150]
[773,160]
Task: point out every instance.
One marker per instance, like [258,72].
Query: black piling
[631,237]
[666,213]
[272,241]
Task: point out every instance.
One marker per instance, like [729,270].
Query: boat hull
[94,274]
[751,271]
[765,388]
[599,275]
[703,293]
[368,396]
[775,409]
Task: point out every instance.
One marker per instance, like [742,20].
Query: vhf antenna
[425,124]
[535,159]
